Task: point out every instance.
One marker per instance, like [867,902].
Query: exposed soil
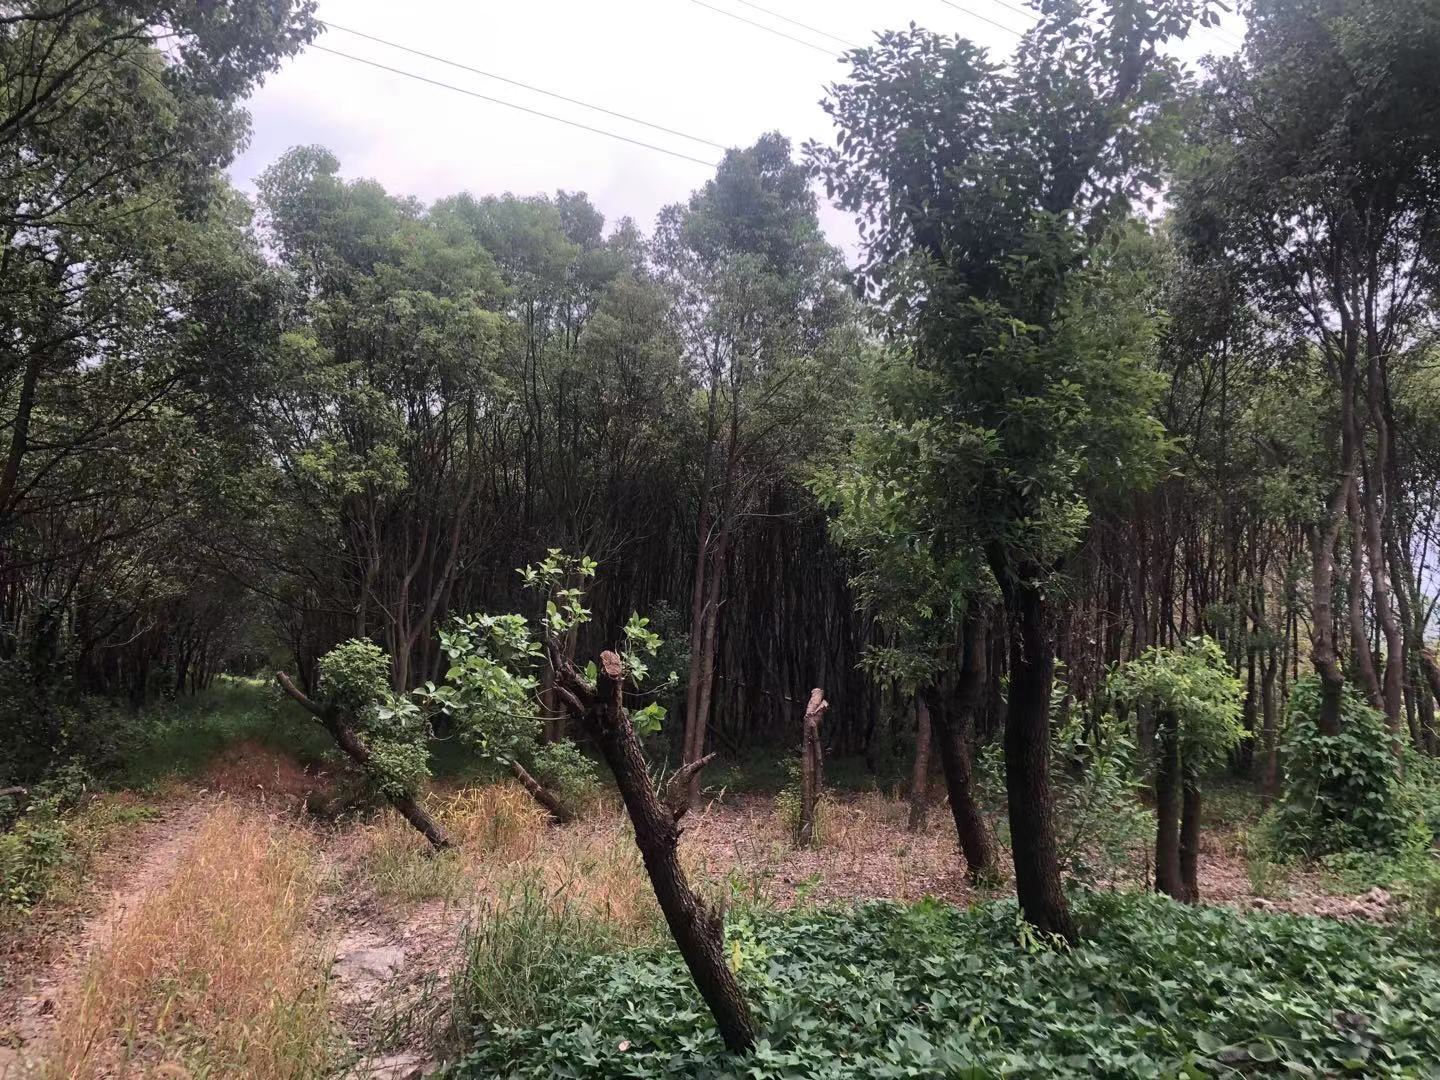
[393,961]
[57,945]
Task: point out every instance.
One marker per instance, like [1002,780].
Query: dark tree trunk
[1167,807]
[698,930]
[811,767]
[354,747]
[920,776]
[1190,837]
[1027,758]
[554,806]
[953,719]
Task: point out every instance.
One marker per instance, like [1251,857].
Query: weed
[213,973]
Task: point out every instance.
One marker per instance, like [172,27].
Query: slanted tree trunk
[1167,807]
[343,732]
[920,777]
[554,806]
[697,929]
[953,718]
[811,767]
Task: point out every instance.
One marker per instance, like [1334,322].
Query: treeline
[239,432]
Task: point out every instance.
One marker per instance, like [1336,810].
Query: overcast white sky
[672,62]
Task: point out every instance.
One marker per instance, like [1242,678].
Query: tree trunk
[558,811]
[698,930]
[1027,758]
[1190,836]
[953,720]
[1167,808]
[920,776]
[810,767]
[345,737]
[1269,732]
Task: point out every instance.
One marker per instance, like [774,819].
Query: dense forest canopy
[1123,432]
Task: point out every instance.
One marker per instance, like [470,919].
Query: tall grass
[213,974]
[577,894]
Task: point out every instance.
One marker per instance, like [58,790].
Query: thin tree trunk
[558,811]
[1167,808]
[953,718]
[920,776]
[810,767]
[1190,810]
[698,930]
[345,737]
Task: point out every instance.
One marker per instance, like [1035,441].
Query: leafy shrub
[562,768]
[885,990]
[1342,791]
[51,844]
[1100,820]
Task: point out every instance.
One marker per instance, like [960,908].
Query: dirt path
[145,860]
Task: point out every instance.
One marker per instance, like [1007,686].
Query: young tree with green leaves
[1195,699]
[994,206]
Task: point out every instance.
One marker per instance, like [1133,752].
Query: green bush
[1342,792]
[1154,989]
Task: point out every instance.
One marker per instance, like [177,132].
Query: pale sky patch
[672,62]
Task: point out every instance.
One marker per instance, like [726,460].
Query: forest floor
[382,930]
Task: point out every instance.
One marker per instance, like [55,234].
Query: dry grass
[212,973]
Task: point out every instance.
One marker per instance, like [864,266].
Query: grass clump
[213,973]
[886,990]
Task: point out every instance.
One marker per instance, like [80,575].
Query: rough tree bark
[343,733]
[920,777]
[1027,754]
[698,930]
[953,718]
[1167,807]
[811,767]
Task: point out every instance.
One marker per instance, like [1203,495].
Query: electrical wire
[513,105]
[767,29]
[523,85]
[801,25]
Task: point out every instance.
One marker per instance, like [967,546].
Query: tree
[765,322]
[1314,183]
[1196,701]
[992,204]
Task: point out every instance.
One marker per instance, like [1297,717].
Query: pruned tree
[812,767]
[381,734]
[1196,702]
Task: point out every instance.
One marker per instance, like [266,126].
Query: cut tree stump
[812,767]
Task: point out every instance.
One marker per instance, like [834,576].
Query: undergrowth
[887,990]
[46,854]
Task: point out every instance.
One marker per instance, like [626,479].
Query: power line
[524,85]
[983,18]
[513,105]
[1215,32]
[796,22]
[767,29]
